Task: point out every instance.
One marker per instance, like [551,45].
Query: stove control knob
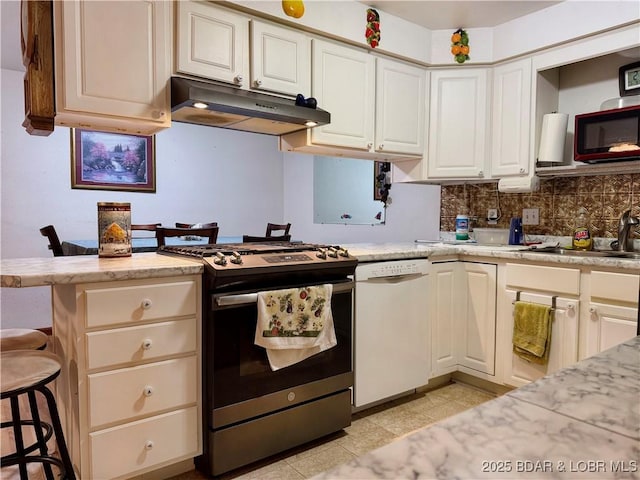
[343,252]
[333,252]
[322,253]
[236,258]
[220,259]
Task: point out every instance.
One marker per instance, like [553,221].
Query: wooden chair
[163,232]
[54,242]
[277,238]
[274,227]
[149,227]
[193,225]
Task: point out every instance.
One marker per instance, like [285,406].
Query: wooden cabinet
[612,313]
[463,318]
[280,59]
[540,284]
[511,119]
[131,383]
[113,65]
[220,44]
[458,123]
[377,106]
[36,41]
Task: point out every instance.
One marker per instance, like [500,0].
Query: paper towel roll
[552,138]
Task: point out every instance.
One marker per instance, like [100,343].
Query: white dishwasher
[391,329]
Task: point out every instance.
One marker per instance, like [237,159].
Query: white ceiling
[451,14]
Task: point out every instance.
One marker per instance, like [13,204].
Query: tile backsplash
[606,197]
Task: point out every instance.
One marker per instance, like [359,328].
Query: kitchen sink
[587,253]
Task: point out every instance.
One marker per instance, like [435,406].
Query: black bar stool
[27,372]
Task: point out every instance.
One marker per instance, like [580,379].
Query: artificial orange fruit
[464,49]
[455,49]
[456,37]
[293,8]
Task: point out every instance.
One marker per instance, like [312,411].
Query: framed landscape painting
[112,161]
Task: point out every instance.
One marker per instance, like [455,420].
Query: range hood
[216,105]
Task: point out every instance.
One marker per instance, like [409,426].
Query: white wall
[203,174]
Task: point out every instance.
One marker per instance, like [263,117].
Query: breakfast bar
[580,422]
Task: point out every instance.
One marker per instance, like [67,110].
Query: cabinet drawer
[546,279]
[142,342]
[118,395]
[120,451]
[137,303]
[621,287]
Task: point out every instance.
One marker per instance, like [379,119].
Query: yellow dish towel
[532,331]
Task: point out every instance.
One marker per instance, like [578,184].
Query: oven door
[239,381]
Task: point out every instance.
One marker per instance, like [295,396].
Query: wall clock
[629,76]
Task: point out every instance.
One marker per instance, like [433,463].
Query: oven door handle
[249,298]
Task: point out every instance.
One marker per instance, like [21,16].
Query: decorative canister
[114,229]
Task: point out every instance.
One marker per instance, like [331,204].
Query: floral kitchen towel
[295,323]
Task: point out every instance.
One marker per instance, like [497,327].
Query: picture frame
[629,79]
[112,161]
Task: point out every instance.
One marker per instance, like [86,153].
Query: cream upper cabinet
[400,107]
[343,83]
[511,119]
[280,59]
[212,42]
[377,106]
[458,123]
[113,65]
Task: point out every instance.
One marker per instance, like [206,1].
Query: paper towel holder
[526,184]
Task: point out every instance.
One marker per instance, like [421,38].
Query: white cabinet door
[564,341]
[511,126]
[113,63]
[458,122]
[343,83]
[477,299]
[443,311]
[608,326]
[400,107]
[280,59]
[212,43]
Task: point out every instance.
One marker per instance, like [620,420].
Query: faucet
[625,242]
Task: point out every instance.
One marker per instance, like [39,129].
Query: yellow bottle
[581,234]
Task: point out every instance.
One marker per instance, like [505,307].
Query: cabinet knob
[147,391]
[146,344]
[593,310]
[571,307]
[481,173]
[370,145]
[157,114]
[146,304]
[148,445]
[381,146]
[522,170]
[258,83]
[238,79]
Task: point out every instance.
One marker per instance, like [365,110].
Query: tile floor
[370,429]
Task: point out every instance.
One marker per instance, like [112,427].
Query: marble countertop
[581,422]
[31,272]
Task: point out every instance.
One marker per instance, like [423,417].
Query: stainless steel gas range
[249,410]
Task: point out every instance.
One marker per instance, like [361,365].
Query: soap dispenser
[582,239]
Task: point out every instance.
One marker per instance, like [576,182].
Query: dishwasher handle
[240,299]
[393,278]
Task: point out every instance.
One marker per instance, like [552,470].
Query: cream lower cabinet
[112,62]
[130,389]
[463,318]
[612,313]
[540,284]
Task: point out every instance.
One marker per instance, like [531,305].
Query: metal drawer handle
[148,391]
[146,304]
[248,298]
[146,343]
[148,445]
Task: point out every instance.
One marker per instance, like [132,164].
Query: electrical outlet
[530,216]
[492,214]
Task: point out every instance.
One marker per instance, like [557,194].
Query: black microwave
[607,135]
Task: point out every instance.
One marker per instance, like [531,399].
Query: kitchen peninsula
[581,422]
